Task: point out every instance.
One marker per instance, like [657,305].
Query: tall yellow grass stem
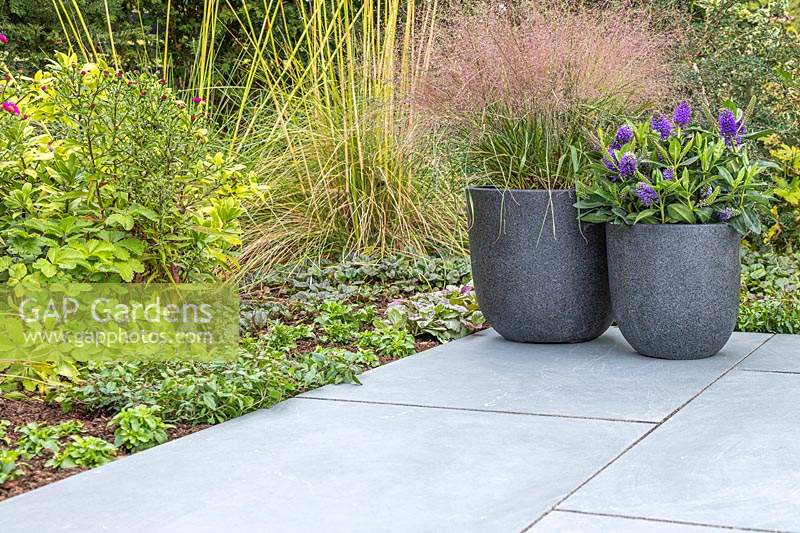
[111,36]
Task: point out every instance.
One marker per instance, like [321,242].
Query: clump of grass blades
[333,139]
[518,87]
[530,151]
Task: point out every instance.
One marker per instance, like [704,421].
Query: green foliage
[334,136]
[110,177]
[387,341]
[87,452]
[784,234]
[327,366]
[694,177]
[139,428]
[445,315]
[770,315]
[35,31]
[529,151]
[9,465]
[341,322]
[737,49]
[138,30]
[283,337]
[187,392]
[770,300]
[5,438]
[364,278]
[35,438]
[257,315]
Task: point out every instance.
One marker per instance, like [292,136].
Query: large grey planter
[674,287]
[533,285]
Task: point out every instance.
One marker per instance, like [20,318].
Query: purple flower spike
[628,164]
[726,214]
[661,125]
[667,174]
[646,194]
[611,160]
[623,137]
[683,114]
[729,128]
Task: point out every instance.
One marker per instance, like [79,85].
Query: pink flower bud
[197,100]
[10,107]
[3,38]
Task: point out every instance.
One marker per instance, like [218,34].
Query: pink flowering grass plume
[3,38]
[544,57]
[10,107]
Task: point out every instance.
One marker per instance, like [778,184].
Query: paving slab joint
[555,507]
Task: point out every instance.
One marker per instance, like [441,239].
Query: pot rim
[502,189]
[679,225]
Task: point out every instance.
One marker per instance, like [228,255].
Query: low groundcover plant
[669,170]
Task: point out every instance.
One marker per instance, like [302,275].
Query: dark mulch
[21,412]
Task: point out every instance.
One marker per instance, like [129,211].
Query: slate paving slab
[315,465]
[780,354]
[564,522]
[731,457]
[604,378]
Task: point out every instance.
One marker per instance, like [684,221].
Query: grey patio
[478,435]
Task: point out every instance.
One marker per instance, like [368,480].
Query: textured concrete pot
[533,286]
[674,287]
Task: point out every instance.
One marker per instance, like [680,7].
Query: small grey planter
[533,286]
[674,287]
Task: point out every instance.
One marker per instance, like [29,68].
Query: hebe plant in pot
[515,88]
[677,198]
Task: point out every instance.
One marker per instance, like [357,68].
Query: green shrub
[9,465]
[341,322]
[445,315]
[109,177]
[139,428]
[388,341]
[770,300]
[327,366]
[35,438]
[283,337]
[87,452]
[186,392]
[743,48]
[138,30]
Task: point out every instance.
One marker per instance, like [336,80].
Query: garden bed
[36,473]
[302,328]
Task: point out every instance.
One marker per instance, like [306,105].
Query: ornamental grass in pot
[514,88]
[677,197]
